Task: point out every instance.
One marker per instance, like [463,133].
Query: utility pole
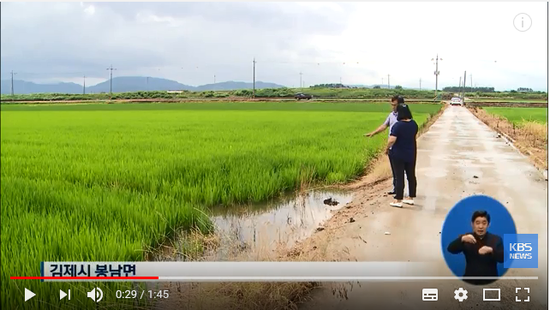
[436,72]
[389,81]
[471,83]
[12,74]
[464,87]
[459,83]
[254,78]
[300,80]
[111,80]
[420,84]
[84,86]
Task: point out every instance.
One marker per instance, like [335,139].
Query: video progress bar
[337,279]
[270,278]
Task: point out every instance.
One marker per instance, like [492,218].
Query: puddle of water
[260,228]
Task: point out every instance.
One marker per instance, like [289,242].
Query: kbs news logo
[521,251]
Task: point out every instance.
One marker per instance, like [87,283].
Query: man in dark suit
[481,249]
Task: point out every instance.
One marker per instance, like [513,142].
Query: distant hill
[125,84]
[24,87]
[232,85]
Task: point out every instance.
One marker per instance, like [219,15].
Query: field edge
[517,136]
[290,295]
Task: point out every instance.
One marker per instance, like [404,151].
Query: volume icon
[96,294]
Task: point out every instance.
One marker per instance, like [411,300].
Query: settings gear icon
[461,294]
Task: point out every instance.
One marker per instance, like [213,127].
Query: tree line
[457,89]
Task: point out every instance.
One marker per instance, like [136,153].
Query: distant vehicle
[456,101]
[300,96]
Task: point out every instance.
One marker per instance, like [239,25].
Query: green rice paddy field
[108,182]
[520,115]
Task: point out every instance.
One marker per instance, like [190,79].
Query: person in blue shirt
[401,149]
[388,123]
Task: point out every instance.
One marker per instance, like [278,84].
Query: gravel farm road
[454,149]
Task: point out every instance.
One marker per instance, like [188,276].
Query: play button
[29,294]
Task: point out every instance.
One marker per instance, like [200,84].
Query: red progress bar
[84,278]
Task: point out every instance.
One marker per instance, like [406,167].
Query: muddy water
[257,230]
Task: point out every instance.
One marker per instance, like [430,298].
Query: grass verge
[529,137]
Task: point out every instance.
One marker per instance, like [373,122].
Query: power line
[190,67]
[464,87]
[318,63]
[49,74]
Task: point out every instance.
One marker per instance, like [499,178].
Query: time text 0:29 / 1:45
[151,294]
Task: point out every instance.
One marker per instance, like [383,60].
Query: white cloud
[400,39]
[90,10]
[192,42]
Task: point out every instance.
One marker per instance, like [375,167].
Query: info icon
[523,22]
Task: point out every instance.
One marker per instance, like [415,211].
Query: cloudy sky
[359,43]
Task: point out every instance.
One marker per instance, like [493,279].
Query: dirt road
[456,147]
